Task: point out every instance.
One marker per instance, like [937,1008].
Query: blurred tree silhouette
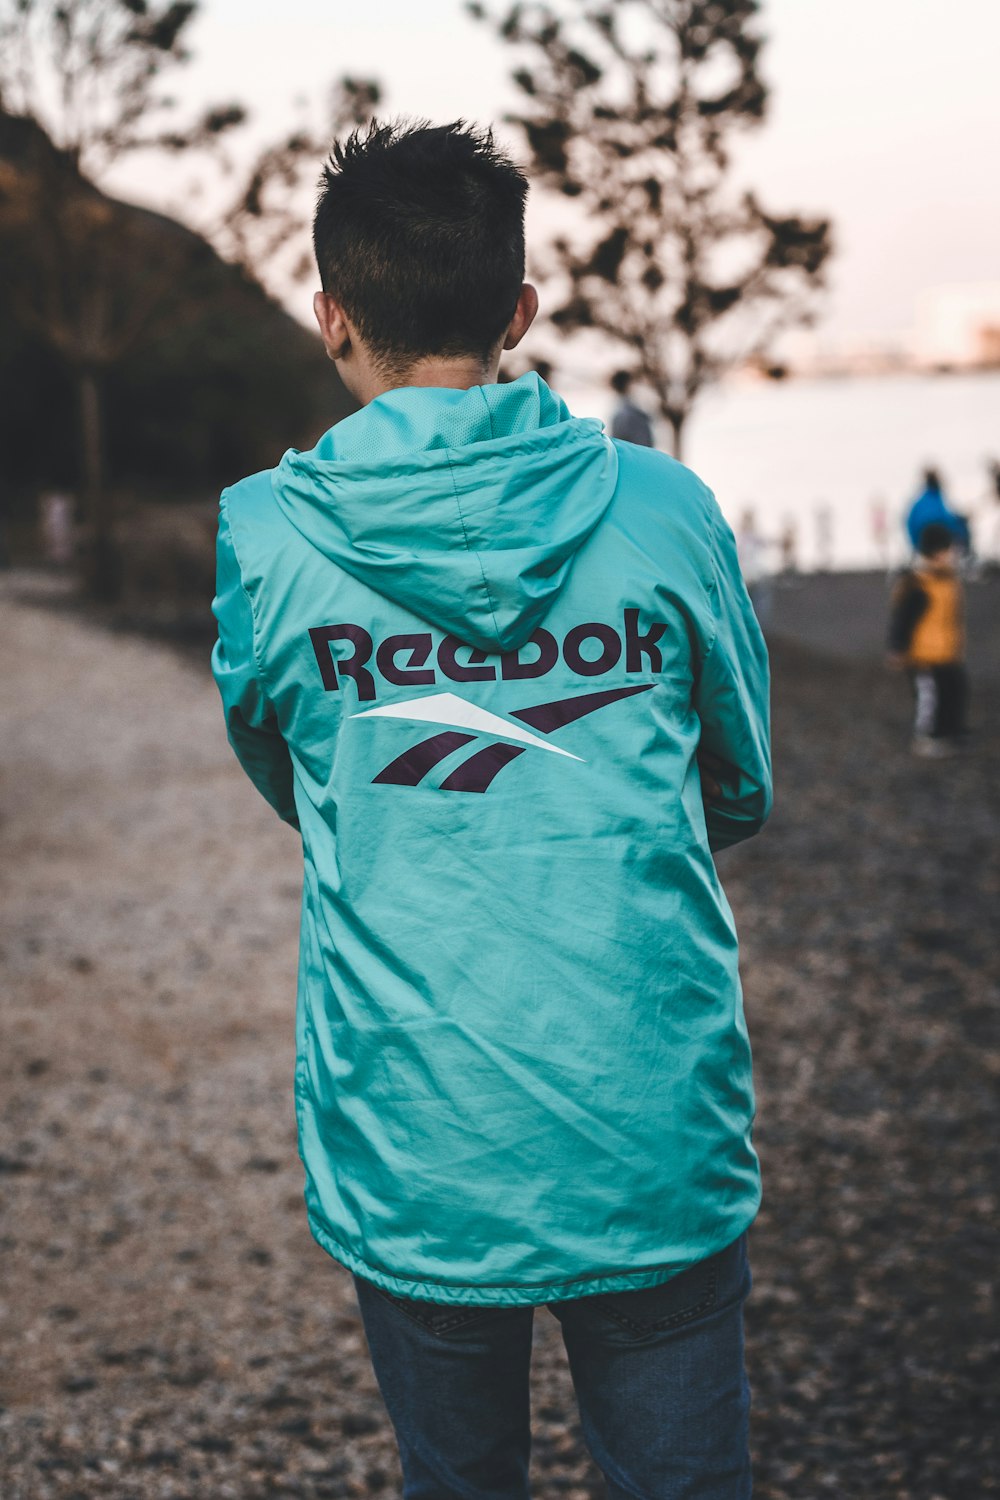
[88,72]
[629,109]
[263,219]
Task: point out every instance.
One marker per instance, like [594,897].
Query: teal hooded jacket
[471,649]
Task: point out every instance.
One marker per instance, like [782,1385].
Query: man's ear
[524,316]
[332,325]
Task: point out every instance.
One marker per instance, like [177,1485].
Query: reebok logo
[344,653]
[506,740]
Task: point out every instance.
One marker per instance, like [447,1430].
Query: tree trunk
[103,566]
[677,425]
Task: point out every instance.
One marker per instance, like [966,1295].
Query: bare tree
[630,109]
[260,227]
[89,72]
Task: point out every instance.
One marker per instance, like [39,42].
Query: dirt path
[169,1328]
[157,1272]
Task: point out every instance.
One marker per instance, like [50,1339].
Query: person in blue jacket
[502,675]
[931,509]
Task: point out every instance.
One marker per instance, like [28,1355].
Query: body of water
[794,449]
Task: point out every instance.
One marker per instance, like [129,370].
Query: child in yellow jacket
[927,637]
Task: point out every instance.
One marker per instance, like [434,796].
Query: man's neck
[447,374]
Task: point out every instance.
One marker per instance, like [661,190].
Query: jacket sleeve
[908,604]
[732,699]
[251,722]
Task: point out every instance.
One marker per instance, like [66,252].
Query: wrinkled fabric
[470,648]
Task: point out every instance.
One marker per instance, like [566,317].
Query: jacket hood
[465,506]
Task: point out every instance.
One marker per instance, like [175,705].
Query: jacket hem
[590,1285]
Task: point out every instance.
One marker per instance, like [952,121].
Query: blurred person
[788,547]
[931,507]
[878,513]
[57,527]
[751,550]
[927,638]
[502,674]
[824,538]
[989,550]
[629,423]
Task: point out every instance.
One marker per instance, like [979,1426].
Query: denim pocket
[710,1285]
[692,1294]
[653,1309]
[436,1317]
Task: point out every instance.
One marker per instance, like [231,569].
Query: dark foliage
[217,380]
[97,286]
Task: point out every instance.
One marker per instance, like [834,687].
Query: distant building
[958,327]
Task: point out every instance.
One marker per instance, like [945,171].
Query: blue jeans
[658,1374]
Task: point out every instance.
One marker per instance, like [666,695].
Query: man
[629,423]
[475,651]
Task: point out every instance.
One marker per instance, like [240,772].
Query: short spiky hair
[419,234]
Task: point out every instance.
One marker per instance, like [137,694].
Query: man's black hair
[934,539]
[621,381]
[419,234]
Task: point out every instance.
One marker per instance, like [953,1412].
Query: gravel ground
[168,1327]
[844,615]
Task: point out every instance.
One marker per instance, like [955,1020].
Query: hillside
[212,378]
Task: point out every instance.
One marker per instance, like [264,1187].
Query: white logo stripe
[448,708]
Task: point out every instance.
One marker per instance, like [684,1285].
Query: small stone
[190,1375]
[211,1443]
[158,1458]
[358,1424]
[296,1427]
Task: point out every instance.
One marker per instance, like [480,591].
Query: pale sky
[885,114]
